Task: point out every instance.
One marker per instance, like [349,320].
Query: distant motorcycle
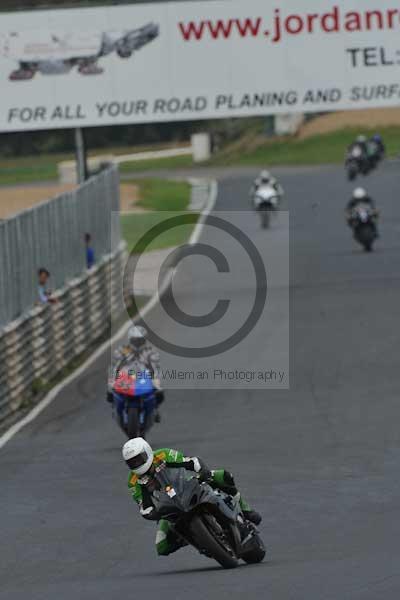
[356,163]
[205,518]
[375,153]
[134,399]
[266,201]
[363,224]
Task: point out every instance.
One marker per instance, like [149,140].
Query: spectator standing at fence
[44,295]
[90,257]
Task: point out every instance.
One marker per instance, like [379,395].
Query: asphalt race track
[321,461]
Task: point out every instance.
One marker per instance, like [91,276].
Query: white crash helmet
[359,194]
[138,455]
[361,139]
[265,176]
[137,336]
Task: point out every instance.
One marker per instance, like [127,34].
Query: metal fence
[51,235]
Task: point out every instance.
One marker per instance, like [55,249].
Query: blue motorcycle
[134,401]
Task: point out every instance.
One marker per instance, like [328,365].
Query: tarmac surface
[320,460]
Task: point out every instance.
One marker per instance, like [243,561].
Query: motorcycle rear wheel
[207,541]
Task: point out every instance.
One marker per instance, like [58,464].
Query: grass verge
[252,149]
[136,225]
[162,200]
[27,169]
[161,194]
[319,149]
[173,162]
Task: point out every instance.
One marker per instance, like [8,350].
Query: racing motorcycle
[363,224]
[205,518]
[266,200]
[356,163]
[375,153]
[134,395]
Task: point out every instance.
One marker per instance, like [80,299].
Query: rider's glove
[196,465]
[205,474]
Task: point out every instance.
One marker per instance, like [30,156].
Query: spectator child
[44,294]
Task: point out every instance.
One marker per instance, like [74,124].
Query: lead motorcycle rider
[142,461]
[265,178]
[138,350]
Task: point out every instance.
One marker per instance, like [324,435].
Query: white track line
[48,399]
[194,238]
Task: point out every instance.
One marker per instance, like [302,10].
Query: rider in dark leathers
[360,196]
[376,148]
[360,143]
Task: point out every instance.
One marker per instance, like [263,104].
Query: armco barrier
[38,345]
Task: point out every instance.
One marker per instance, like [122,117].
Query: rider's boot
[224,481]
[250,514]
[167,540]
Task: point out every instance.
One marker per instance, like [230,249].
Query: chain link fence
[51,235]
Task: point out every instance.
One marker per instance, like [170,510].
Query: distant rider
[360,143]
[380,143]
[360,196]
[377,147]
[139,350]
[265,178]
[142,462]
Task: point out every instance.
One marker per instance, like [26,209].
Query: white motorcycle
[266,201]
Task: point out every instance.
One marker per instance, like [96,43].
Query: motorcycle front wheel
[210,539]
[256,552]
[368,246]
[133,424]
[366,237]
[265,218]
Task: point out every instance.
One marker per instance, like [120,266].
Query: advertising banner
[196,60]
